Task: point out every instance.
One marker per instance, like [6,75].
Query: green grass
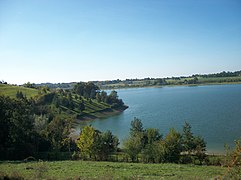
[220,80]
[10,90]
[108,170]
[94,106]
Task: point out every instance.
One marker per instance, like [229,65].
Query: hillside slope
[63,103]
[11,91]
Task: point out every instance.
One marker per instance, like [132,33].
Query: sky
[85,40]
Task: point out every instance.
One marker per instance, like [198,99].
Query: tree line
[145,145]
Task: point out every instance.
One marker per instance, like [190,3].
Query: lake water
[213,111]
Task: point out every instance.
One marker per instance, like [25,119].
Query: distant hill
[215,78]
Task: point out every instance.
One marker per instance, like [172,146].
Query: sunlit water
[214,112]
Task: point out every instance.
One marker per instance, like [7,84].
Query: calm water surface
[214,112]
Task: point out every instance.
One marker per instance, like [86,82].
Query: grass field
[9,90]
[107,170]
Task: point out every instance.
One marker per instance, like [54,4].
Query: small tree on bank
[172,146]
[193,145]
[94,143]
[86,141]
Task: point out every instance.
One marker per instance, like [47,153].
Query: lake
[214,112]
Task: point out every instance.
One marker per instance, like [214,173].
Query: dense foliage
[93,143]
[25,132]
[43,123]
[152,147]
[145,145]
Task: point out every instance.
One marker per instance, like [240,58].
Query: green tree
[188,138]
[57,131]
[233,161]
[113,97]
[151,152]
[93,143]
[98,97]
[194,145]
[104,97]
[173,146]
[107,144]
[17,133]
[86,141]
[152,135]
[133,146]
[88,90]
[136,141]
[200,148]
[136,127]
[29,85]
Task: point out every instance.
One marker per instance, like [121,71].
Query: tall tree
[188,138]
[136,126]
[88,90]
[152,135]
[133,146]
[108,144]
[151,152]
[173,146]
[200,148]
[86,141]
[135,142]
[104,97]
[57,131]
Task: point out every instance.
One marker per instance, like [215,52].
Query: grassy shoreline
[94,116]
[174,85]
[102,114]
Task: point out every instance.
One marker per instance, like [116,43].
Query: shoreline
[101,114]
[173,85]
[94,116]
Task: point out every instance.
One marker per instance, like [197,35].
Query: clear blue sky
[81,40]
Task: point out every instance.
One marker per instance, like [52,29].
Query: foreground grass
[107,170]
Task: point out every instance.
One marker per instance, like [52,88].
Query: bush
[214,161]
[186,159]
[233,162]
